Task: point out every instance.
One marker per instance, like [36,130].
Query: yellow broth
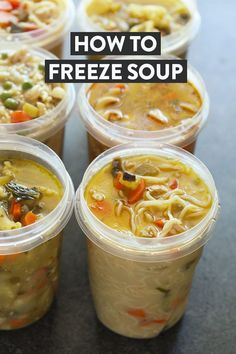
[151,196]
[146,107]
[166,16]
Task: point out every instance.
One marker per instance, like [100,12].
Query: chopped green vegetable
[7,85]
[23,193]
[11,103]
[5,95]
[27,86]
[4,56]
[41,67]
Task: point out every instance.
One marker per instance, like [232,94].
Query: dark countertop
[210,321]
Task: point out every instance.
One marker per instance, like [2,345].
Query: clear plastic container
[30,256]
[103,134]
[48,128]
[51,37]
[140,286]
[175,44]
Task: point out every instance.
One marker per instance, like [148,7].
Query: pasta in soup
[146,106]
[149,196]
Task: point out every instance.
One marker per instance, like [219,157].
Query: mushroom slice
[106,101]
[158,115]
[188,107]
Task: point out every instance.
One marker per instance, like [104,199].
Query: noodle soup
[28,105]
[118,113]
[147,213]
[35,194]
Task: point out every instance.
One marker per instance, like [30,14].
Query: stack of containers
[34,209]
[36,192]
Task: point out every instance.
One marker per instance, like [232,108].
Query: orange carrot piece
[136,195]
[174,184]
[2,259]
[18,323]
[117,183]
[16,210]
[29,218]
[120,86]
[14,3]
[29,27]
[179,301]
[102,207]
[152,322]
[159,223]
[138,313]
[19,117]
[170,96]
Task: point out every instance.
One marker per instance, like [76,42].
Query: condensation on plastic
[29,237]
[174,44]
[110,134]
[48,37]
[50,123]
[126,245]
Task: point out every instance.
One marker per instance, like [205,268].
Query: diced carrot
[29,218]
[11,257]
[17,322]
[5,5]
[19,117]
[14,3]
[117,183]
[2,259]
[120,86]
[15,210]
[170,96]
[174,184]
[152,322]
[159,223]
[29,27]
[102,207]
[6,18]
[136,195]
[179,301]
[138,313]
[8,258]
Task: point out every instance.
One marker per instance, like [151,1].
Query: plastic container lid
[26,238]
[127,245]
[50,123]
[48,37]
[176,43]
[111,134]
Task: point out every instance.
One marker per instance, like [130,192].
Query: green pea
[7,85]
[27,86]
[5,95]
[11,103]
[4,56]
[41,67]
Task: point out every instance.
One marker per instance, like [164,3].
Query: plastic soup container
[175,43]
[31,93]
[30,255]
[104,134]
[40,30]
[140,286]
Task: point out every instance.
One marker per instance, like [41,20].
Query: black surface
[209,325]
